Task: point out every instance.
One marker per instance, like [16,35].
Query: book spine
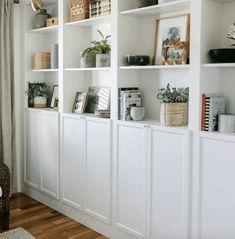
[203,112]
[54,56]
[211,114]
[207,113]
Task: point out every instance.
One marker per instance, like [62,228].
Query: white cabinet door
[98,168]
[169,181]
[131,178]
[73,164]
[50,154]
[33,148]
[217,189]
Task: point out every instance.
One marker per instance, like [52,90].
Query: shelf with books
[154,10]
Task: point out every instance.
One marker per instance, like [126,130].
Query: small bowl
[137,113]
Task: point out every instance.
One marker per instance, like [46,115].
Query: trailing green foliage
[99,47]
[173,95]
[38,89]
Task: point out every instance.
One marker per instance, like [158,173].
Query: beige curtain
[7,110]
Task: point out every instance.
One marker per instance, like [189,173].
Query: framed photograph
[80,102]
[55,97]
[171,31]
[98,99]
[175,55]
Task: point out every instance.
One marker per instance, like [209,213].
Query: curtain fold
[7,103]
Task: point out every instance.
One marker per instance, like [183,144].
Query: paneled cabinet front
[87,165]
[42,151]
[217,194]
[169,185]
[131,179]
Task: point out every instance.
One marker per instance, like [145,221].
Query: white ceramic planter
[137,113]
[103,60]
[40,102]
[88,61]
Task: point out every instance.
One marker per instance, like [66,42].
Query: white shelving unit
[184,190]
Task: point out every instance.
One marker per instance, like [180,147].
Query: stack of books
[128,97]
[212,106]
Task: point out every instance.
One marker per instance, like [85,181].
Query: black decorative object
[146,3]
[223,55]
[138,60]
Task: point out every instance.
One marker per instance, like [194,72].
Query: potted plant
[88,57]
[98,55]
[38,94]
[174,106]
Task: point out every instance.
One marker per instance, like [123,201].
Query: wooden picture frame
[54,97]
[171,31]
[79,104]
[175,54]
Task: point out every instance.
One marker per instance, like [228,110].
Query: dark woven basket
[5,199]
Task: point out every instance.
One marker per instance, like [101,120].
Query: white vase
[137,113]
[40,102]
[103,60]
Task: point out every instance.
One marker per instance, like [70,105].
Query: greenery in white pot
[174,105]
[98,54]
[39,93]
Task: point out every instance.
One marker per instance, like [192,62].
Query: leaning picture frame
[54,97]
[79,102]
[170,31]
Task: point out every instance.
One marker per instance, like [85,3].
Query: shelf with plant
[98,54]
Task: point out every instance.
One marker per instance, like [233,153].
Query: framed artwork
[80,102]
[175,55]
[98,99]
[55,97]
[171,31]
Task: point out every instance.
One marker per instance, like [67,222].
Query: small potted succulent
[38,94]
[174,106]
[98,55]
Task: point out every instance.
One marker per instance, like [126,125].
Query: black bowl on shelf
[223,55]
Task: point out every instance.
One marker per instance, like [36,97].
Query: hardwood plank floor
[45,223]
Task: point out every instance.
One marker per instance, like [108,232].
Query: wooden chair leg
[5,219]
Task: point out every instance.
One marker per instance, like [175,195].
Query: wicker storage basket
[52,21]
[174,114]
[42,60]
[79,10]
[100,8]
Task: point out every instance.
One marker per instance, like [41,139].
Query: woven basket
[79,10]
[174,114]
[100,8]
[42,60]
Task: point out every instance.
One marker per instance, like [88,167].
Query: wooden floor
[45,223]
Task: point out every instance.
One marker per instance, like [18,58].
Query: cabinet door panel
[50,153]
[168,180]
[217,189]
[98,169]
[131,166]
[33,148]
[73,167]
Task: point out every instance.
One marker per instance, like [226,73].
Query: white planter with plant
[103,49]
[174,106]
[39,93]
[88,58]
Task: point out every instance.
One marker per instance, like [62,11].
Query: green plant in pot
[38,94]
[98,54]
[174,105]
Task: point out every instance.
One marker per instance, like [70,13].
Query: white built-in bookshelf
[133,33]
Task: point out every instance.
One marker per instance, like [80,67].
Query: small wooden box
[52,21]
[42,60]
